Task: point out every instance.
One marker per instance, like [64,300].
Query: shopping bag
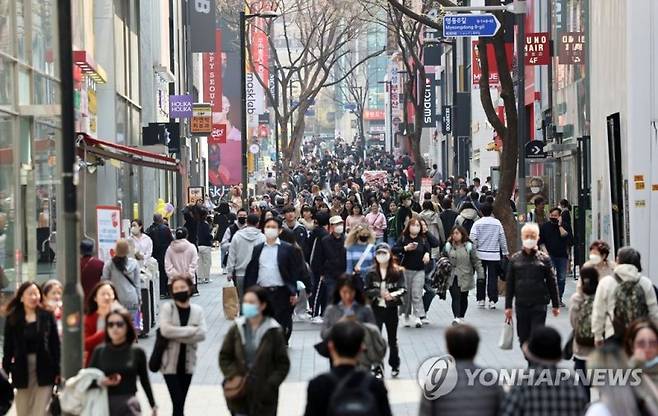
[230,301]
[507,336]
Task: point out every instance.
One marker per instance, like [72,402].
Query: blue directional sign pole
[470,25]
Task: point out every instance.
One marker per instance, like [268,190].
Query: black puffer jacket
[332,258]
[530,278]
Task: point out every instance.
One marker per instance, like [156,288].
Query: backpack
[375,346]
[441,275]
[630,304]
[583,332]
[353,399]
[467,223]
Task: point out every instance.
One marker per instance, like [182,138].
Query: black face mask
[554,221]
[242,220]
[181,296]
[363,238]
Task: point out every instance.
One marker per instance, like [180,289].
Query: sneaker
[395,372]
[418,323]
[492,305]
[317,320]
[480,304]
[406,321]
[378,372]
[424,320]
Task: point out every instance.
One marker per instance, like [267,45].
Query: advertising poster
[195,193]
[108,224]
[224,150]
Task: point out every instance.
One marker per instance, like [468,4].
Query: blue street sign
[470,25]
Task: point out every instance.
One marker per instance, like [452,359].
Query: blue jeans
[560,265]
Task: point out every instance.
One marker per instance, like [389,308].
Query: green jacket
[268,370]
[465,263]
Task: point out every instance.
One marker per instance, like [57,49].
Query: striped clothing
[353,254]
[488,236]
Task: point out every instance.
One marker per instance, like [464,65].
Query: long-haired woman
[415,252]
[385,289]
[31,350]
[465,263]
[102,298]
[359,239]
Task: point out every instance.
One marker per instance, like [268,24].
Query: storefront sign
[491,60]
[425,186]
[446,119]
[180,106]
[429,102]
[202,25]
[108,226]
[218,134]
[537,49]
[395,92]
[571,49]
[255,99]
[374,114]
[195,193]
[201,119]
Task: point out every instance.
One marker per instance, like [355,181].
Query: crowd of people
[351,245]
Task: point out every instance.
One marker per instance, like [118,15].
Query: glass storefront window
[23,86]
[46,90]
[6,29]
[46,133]
[20,30]
[7,199]
[6,82]
[43,33]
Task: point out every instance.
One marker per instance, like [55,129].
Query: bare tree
[355,90]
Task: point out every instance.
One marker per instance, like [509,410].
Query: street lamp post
[243,95]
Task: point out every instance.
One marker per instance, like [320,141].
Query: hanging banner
[491,59]
[446,119]
[218,134]
[180,106]
[108,226]
[201,119]
[212,76]
[255,99]
[571,48]
[260,52]
[395,92]
[429,101]
[202,25]
[537,48]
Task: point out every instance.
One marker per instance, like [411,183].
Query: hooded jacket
[181,259]
[435,227]
[603,309]
[242,246]
[467,214]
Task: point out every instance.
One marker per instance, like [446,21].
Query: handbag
[161,343]
[230,301]
[55,408]
[235,387]
[507,336]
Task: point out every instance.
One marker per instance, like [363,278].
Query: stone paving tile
[206,398]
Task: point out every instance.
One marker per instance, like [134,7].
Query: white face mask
[134,230]
[595,258]
[339,229]
[529,243]
[271,233]
[414,230]
[535,189]
[382,257]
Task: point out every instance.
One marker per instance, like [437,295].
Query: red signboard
[212,76]
[374,115]
[537,48]
[491,59]
[218,134]
[260,55]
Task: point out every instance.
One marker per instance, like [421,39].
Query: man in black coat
[311,254]
[344,344]
[332,259]
[161,236]
[273,267]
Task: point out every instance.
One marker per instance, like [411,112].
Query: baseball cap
[336,219]
[382,247]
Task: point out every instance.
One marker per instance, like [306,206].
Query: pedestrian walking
[161,236]
[91,268]
[102,298]
[462,342]
[312,256]
[376,220]
[434,226]
[355,217]
[123,272]
[543,351]
[621,298]
[641,346]
[123,362]
[599,258]
[141,243]
[274,267]
[428,291]
[556,238]
[205,250]
[240,251]
[385,290]
[392,233]
[52,301]
[253,358]
[414,253]
[290,223]
[465,263]
[332,260]
[359,250]
[448,216]
[222,219]
[239,223]
[31,350]
[346,389]
[348,301]
[488,236]
[183,326]
[468,214]
[531,284]
[182,258]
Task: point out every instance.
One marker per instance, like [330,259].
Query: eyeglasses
[118,324]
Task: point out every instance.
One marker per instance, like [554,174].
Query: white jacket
[190,335]
[603,309]
[78,398]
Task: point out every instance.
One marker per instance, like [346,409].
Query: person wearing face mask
[142,243]
[359,251]
[254,355]
[273,266]
[52,294]
[123,272]
[183,325]
[404,212]
[31,350]
[204,238]
[555,238]
[385,289]
[231,231]
[182,258]
[240,250]
[377,222]
[415,252]
[331,261]
[599,252]
[531,284]
[161,237]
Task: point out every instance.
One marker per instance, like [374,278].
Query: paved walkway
[205,397]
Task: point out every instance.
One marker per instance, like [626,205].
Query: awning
[127,154]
